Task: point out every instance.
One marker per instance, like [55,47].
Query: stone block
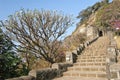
[32,73]
[23,78]
[91,75]
[46,74]
[83,75]
[113,74]
[75,74]
[67,74]
[69,57]
[102,75]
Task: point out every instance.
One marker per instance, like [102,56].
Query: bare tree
[38,32]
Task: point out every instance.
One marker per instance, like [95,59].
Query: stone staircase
[91,64]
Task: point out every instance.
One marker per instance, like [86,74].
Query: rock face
[83,26]
[91,32]
[88,28]
[91,64]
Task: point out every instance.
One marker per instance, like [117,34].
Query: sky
[68,7]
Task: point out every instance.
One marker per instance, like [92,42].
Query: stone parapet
[61,66]
[44,74]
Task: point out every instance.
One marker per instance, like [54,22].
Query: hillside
[104,16]
[81,28]
[100,15]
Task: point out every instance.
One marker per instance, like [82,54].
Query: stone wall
[50,73]
[45,74]
[112,61]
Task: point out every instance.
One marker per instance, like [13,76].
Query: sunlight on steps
[91,64]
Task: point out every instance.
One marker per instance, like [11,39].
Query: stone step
[85,74]
[79,78]
[91,60]
[92,49]
[88,68]
[90,64]
[93,54]
[96,53]
[89,57]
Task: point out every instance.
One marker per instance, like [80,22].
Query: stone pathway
[91,64]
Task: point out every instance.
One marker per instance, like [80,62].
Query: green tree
[8,59]
[105,1]
[86,13]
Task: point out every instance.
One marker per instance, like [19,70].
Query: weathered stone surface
[46,74]
[69,57]
[111,55]
[32,73]
[23,78]
[62,66]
